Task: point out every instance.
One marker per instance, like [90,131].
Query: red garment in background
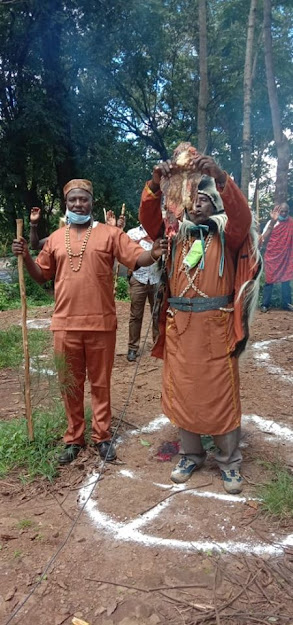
[279,253]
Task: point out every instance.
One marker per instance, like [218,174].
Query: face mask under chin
[75,218]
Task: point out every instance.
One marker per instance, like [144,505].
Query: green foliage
[107,107]
[11,349]
[122,291]
[36,294]
[277,495]
[24,524]
[32,459]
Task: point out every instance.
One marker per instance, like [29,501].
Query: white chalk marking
[129,532]
[127,473]
[263,358]
[268,425]
[155,424]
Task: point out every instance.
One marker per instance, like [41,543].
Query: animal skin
[180,189]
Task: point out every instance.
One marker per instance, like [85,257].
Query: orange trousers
[77,352]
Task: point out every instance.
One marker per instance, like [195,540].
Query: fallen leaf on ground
[145,443]
[252,504]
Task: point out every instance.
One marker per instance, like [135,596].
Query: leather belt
[200,304]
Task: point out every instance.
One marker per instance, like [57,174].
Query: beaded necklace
[191,281]
[69,250]
[190,284]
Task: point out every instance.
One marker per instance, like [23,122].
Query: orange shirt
[84,300]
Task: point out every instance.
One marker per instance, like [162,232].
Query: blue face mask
[282,218]
[74,218]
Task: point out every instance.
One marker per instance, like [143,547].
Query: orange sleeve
[238,212]
[150,214]
[125,250]
[46,260]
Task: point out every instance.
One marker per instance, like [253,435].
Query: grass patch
[11,350]
[277,495]
[36,294]
[38,458]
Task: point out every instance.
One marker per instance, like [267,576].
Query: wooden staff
[27,396]
[118,264]
[257,208]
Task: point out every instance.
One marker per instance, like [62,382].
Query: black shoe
[106,450]
[289,307]
[69,453]
[131,356]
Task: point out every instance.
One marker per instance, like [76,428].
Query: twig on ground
[149,371]
[105,581]
[61,506]
[183,587]
[177,492]
[146,590]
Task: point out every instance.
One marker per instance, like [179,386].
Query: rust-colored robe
[200,375]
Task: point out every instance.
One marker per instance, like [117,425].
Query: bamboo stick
[118,264]
[27,396]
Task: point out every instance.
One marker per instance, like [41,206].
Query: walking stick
[27,396]
[118,264]
[257,209]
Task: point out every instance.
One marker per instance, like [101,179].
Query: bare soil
[135,557]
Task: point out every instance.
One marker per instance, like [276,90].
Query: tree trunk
[203,78]
[247,88]
[281,141]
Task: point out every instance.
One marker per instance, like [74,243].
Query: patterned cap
[78,183]
[207,187]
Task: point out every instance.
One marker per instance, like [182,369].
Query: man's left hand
[207,165]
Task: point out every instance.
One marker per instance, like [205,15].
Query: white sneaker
[232,481]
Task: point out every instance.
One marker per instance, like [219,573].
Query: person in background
[277,239]
[142,285]
[84,321]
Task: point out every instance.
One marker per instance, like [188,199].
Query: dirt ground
[137,550]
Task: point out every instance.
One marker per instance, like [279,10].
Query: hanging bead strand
[70,253]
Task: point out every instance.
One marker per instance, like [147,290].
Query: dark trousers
[139,293]
[286,294]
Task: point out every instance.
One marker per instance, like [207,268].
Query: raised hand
[159,248]
[110,218]
[35,215]
[206,165]
[121,221]
[275,213]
